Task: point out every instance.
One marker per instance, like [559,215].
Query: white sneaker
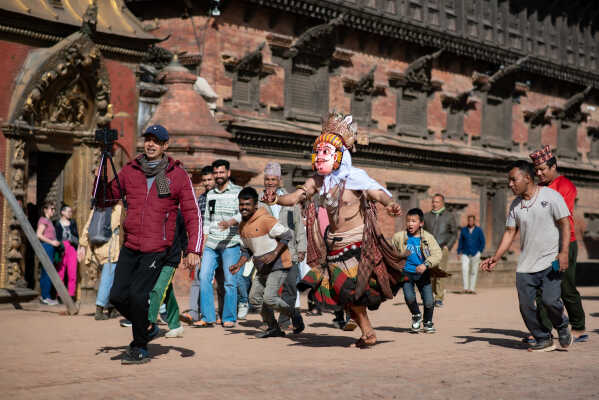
[242,310]
[48,302]
[174,333]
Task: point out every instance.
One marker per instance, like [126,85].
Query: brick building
[447,93]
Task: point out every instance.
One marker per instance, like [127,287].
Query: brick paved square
[476,354]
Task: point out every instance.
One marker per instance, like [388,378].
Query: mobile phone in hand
[555,265]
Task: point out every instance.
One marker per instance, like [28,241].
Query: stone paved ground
[476,354]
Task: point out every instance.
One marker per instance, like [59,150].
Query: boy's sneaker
[174,333]
[429,327]
[565,338]
[297,321]
[543,345]
[242,310]
[416,323]
[438,303]
[125,323]
[136,356]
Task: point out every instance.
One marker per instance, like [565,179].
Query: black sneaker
[298,321]
[275,332]
[542,345]
[153,332]
[416,323]
[125,323]
[566,339]
[136,355]
[429,327]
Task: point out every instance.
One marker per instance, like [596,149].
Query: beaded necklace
[531,201]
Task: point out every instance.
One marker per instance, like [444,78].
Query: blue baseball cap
[157,130]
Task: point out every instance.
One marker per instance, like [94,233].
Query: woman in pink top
[47,235]
[66,232]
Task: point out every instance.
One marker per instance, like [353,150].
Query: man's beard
[221,181]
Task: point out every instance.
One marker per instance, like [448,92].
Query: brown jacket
[260,235]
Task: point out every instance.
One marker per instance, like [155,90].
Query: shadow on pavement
[589,297]
[316,340]
[254,323]
[391,329]
[322,325]
[508,343]
[153,348]
[506,332]
[594,314]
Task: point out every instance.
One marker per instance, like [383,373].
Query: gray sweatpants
[265,295]
[549,282]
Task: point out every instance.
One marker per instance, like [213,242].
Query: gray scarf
[159,171]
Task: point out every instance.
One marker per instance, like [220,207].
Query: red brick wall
[123,98]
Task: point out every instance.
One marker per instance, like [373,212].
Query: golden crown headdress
[343,126]
[340,131]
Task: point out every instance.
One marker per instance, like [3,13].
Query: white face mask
[325,158]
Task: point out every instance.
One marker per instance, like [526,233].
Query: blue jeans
[105,284]
[243,287]
[211,260]
[423,282]
[45,282]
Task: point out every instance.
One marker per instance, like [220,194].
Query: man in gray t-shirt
[541,216]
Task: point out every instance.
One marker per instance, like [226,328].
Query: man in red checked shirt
[545,165]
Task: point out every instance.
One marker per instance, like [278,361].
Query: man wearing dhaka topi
[354,267]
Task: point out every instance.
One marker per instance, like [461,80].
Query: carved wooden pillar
[407,196]
[593,133]
[14,248]
[456,209]
[590,235]
[414,88]
[493,209]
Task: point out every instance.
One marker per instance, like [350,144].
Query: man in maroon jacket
[155,186]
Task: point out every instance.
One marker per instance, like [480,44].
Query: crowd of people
[257,251]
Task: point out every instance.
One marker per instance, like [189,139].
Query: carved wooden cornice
[251,64]
[417,74]
[492,170]
[396,27]
[365,86]
[455,207]
[459,102]
[571,111]
[407,188]
[538,117]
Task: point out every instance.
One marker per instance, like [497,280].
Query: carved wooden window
[567,135]
[433,17]
[472,17]
[307,94]
[534,137]
[455,124]
[412,113]
[591,234]
[593,133]
[497,121]
[415,11]
[493,206]
[488,20]
[246,91]
[451,17]
[361,109]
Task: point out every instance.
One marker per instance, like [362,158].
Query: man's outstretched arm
[506,242]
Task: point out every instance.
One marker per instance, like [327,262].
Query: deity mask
[325,158]
[338,134]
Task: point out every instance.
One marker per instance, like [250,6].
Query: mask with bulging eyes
[325,158]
